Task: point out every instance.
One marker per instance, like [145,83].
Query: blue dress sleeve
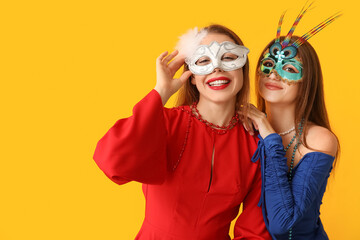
[284,203]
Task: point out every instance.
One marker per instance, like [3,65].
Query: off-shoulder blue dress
[294,204]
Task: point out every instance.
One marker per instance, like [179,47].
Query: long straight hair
[310,103]
[188,93]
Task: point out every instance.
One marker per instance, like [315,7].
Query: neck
[281,116]
[216,113]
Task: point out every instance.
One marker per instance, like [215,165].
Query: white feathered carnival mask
[203,59]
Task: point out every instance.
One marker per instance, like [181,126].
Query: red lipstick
[218,83]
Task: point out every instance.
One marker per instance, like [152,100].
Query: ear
[192,80]
[258,72]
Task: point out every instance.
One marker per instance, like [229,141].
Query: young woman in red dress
[194,160]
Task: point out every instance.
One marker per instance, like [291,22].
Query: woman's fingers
[176,63]
[255,113]
[169,62]
[249,126]
[161,56]
[184,76]
[246,127]
[260,121]
[251,113]
[256,126]
[169,57]
[256,119]
[247,122]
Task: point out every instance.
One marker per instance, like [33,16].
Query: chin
[221,98]
[271,98]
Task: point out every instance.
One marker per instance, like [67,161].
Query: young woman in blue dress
[297,147]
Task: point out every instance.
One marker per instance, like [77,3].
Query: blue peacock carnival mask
[281,59]
[282,62]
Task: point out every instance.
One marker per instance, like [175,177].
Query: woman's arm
[286,203]
[166,67]
[135,147]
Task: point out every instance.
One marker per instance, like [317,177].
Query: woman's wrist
[163,94]
[265,128]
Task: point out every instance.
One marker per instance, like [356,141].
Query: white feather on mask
[190,41]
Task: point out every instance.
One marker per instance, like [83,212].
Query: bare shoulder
[321,139]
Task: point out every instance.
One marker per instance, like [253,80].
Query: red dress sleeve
[250,224]
[134,149]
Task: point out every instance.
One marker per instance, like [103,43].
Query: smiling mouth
[218,83]
[272,86]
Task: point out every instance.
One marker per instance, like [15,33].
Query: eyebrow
[271,57]
[292,61]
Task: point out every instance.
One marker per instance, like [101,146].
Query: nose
[217,69]
[274,75]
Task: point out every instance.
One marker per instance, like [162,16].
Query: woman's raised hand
[166,85]
[257,120]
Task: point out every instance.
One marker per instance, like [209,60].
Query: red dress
[194,177]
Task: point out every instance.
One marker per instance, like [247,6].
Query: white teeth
[218,82]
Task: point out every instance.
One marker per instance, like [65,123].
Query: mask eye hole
[290,52]
[268,63]
[203,61]
[275,51]
[275,48]
[290,68]
[287,53]
[228,57]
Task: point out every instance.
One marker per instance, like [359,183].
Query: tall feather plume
[189,41]
[315,30]
[278,32]
[297,20]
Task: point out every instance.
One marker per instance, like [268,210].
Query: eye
[227,57]
[290,68]
[268,63]
[203,61]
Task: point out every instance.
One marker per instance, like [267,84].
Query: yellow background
[70,69]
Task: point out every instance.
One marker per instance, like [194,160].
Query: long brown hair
[310,104]
[188,93]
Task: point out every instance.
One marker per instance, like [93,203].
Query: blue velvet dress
[294,204]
